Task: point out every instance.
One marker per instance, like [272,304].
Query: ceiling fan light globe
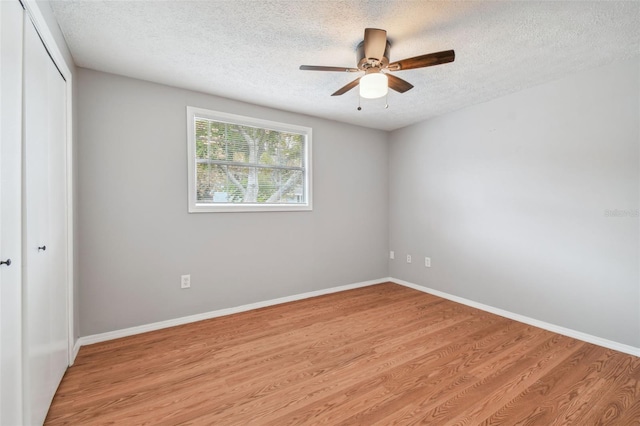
[374,85]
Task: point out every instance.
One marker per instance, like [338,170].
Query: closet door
[45,331]
[10,213]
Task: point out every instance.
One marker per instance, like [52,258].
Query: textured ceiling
[251,50]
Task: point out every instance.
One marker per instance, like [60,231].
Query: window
[240,163]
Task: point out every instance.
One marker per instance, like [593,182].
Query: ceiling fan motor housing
[365,63]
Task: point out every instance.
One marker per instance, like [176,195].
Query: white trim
[195,207]
[631,350]
[32,8]
[33,11]
[76,349]
[96,338]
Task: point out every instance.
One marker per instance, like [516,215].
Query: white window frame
[195,207]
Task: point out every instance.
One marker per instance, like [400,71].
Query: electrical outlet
[185,281]
[427,262]
[392,255]
[408,258]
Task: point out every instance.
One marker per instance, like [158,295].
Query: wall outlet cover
[185,281]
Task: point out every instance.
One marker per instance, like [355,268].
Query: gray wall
[508,198]
[136,237]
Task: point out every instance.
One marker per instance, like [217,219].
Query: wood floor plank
[547,399]
[383,354]
[430,391]
[617,403]
[305,389]
[393,361]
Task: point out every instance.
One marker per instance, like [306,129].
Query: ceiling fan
[373,59]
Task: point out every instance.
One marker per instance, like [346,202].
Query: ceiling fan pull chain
[359,107]
[386,101]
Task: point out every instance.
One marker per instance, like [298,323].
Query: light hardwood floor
[383,354]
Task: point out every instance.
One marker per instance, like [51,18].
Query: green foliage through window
[241,164]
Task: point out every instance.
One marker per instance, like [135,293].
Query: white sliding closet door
[10,213]
[45,344]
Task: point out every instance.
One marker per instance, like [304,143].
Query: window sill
[247,208]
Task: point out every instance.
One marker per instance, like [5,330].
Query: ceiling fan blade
[346,88]
[422,61]
[321,68]
[398,84]
[375,43]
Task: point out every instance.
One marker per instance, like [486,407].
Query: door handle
[6,262]
[43,248]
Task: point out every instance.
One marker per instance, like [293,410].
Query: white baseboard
[74,354]
[631,350]
[102,337]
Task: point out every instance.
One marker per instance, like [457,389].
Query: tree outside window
[242,162]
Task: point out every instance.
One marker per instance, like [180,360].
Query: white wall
[508,198]
[136,237]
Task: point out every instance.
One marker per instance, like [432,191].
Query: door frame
[37,18]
